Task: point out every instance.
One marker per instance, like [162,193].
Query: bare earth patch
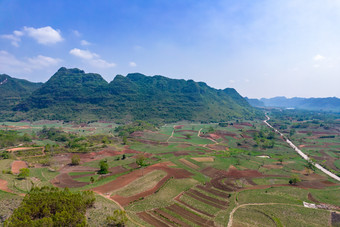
[204,159]
[3,186]
[17,165]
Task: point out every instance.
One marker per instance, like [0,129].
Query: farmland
[233,173]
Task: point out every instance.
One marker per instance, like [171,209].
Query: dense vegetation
[11,138]
[71,94]
[48,206]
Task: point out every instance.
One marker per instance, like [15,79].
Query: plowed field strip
[194,208]
[126,200]
[152,220]
[64,180]
[217,201]
[205,201]
[83,175]
[189,215]
[213,191]
[190,164]
[171,218]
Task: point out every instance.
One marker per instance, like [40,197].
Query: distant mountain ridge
[324,104]
[72,94]
[13,90]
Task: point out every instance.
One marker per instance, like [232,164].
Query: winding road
[303,155]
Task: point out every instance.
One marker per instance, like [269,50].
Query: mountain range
[317,104]
[73,95]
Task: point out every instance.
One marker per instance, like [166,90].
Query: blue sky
[263,48]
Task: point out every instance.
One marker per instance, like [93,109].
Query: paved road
[303,155]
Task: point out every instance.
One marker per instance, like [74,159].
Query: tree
[92,180]
[75,160]
[118,219]
[141,161]
[24,172]
[104,167]
[294,179]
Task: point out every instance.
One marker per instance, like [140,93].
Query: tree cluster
[50,206]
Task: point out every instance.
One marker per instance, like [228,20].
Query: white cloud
[132,64]
[44,35]
[84,54]
[92,58]
[76,33]
[100,63]
[319,57]
[10,64]
[41,61]
[13,38]
[232,81]
[84,43]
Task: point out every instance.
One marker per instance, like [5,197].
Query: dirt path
[172,134]
[303,155]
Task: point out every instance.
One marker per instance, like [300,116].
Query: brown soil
[178,126]
[128,178]
[171,218]
[190,164]
[151,220]
[83,175]
[117,170]
[206,199]
[17,165]
[208,188]
[133,165]
[64,180]
[3,186]
[190,216]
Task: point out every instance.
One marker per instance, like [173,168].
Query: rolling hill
[72,94]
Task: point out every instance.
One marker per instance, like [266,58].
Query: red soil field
[126,200]
[152,220]
[208,188]
[17,165]
[64,180]
[190,216]
[178,126]
[171,218]
[204,200]
[128,178]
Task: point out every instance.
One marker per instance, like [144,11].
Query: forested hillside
[72,94]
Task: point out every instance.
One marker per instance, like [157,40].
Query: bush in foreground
[49,206]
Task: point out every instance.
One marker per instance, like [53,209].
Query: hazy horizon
[261,48]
